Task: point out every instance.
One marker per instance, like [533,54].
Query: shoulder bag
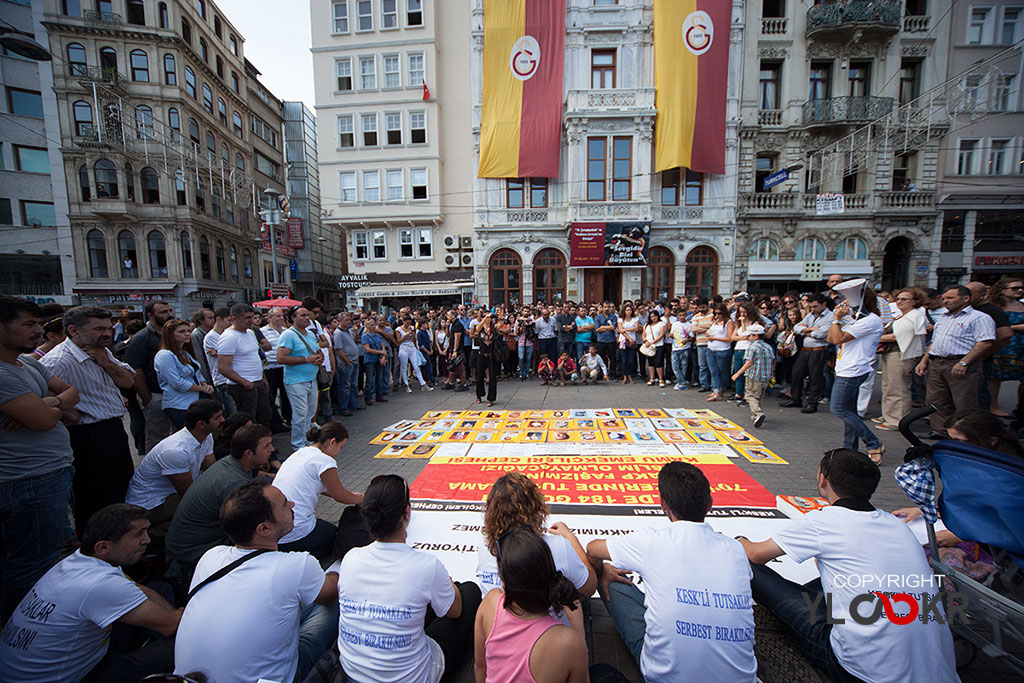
[323,378]
[225,570]
[647,348]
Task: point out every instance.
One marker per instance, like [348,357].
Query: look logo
[698,32]
[524,58]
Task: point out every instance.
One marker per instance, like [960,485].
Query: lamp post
[272,217]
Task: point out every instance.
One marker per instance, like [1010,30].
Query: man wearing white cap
[758,366]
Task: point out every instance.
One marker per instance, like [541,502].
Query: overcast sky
[277,41]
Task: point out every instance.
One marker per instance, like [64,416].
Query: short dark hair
[222,437]
[79,315]
[133,327]
[960,289]
[198,316]
[247,438]
[850,474]
[384,503]
[223,313]
[201,411]
[12,306]
[153,303]
[685,490]
[110,524]
[241,309]
[311,303]
[245,509]
[818,298]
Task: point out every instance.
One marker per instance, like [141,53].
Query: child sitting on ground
[566,369]
[546,370]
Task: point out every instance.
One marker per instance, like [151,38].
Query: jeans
[33,513]
[581,349]
[303,397]
[628,356]
[346,393]
[704,374]
[693,376]
[626,608]
[525,360]
[409,358]
[226,402]
[318,629]
[376,379]
[681,365]
[158,427]
[737,363]
[319,542]
[547,347]
[176,416]
[843,404]
[718,365]
[275,381]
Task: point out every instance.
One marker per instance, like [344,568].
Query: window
[234,81]
[129,182]
[266,166]
[144,122]
[106,179]
[998,154]
[69,8]
[392,71]
[852,248]
[702,271]
[193,130]
[201,6]
[234,265]
[157,254]
[515,193]
[768,85]
[347,187]
[1004,92]
[691,191]
[97,247]
[219,68]
[860,79]
[190,82]
[415,243]
[233,44]
[346,131]
[396,186]
[380,247]
[343,71]
[204,51]
[126,252]
[368,124]
[810,249]
[538,193]
[596,165]
[763,249]
[40,214]
[77,65]
[371,186]
[25,102]
[978,31]
[179,187]
[108,63]
[364,15]
[186,255]
[222,111]
[764,166]
[518,189]
[622,165]
[506,278]
[548,276]
[82,113]
[1008,31]
[247,265]
[31,159]
[418,182]
[367,73]
[204,257]
[361,244]
[150,186]
[136,12]
[84,186]
[207,98]
[903,171]
[657,279]
[406,246]
[414,12]
[820,81]
[910,80]
[393,128]
[211,145]
[162,13]
[6,216]
[263,129]
[170,70]
[239,162]
[186,31]
[602,69]
[417,127]
[340,9]
[417,74]
[965,164]
[222,271]
[388,14]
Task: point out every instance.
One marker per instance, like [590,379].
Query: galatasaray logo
[525,57]
[698,32]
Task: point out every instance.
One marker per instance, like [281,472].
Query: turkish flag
[426,91]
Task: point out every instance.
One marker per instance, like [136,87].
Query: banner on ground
[521,124]
[609,245]
[691,73]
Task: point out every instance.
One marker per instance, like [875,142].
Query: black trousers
[455,636]
[610,352]
[275,380]
[811,365]
[491,367]
[255,401]
[103,467]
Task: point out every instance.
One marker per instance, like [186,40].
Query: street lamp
[272,217]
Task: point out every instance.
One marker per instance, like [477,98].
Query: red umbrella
[277,303]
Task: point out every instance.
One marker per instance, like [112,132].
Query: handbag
[323,377]
[787,344]
[646,348]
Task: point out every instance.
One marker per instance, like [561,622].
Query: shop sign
[353,281]
[992,261]
[609,245]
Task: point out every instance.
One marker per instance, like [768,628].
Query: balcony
[838,111]
[869,18]
[852,202]
[769,202]
[611,211]
[625,101]
[28,289]
[803,203]
[907,200]
[97,17]
[769,117]
[774,26]
[916,23]
[101,75]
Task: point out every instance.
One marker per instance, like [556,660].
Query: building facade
[606,174]
[814,75]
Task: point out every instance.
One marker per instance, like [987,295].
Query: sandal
[713,397]
[876,455]
[650,383]
[661,384]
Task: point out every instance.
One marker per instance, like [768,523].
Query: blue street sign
[776,178]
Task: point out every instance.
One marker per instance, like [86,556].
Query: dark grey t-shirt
[28,453]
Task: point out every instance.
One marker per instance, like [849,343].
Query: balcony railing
[611,210]
[101,74]
[27,289]
[916,23]
[908,200]
[773,26]
[610,100]
[852,202]
[768,201]
[804,202]
[769,117]
[841,110]
[102,17]
[879,15]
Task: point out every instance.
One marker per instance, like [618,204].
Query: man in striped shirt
[103,459]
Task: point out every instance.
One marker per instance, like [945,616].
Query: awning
[116,288]
[404,289]
[792,270]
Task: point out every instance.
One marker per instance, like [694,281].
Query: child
[758,368]
[566,369]
[546,370]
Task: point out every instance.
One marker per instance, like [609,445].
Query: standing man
[203,320]
[35,454]
[375,356]
[456,361]
[300,354]
[547,330]
[347,376]
[238,359]
[810,362]
[566,320]
[961,339]
[584,324]
[833,280]
[274,372]
[607,326]
[103,458]
[700,322]
[466,348]
[221,321]
[979,293]
[140,354]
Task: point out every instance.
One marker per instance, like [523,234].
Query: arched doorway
[896,263]
[658,279]
[548,277]
[506,278]
[702,271]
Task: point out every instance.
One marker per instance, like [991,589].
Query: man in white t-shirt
[695,620]
[61,630]
[281,606]
[864,556]
[681,339]
[221,321]
[238,360]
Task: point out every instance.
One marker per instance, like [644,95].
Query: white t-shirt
[299,480]
[244,626]
[245,352]
[473,323]
[699,617]
[854,357]
[718,330]
[846,544]
[177,454]
[680,330]
[383,591]
[651,332]
[210,343]
[61,628]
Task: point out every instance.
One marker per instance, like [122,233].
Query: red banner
[295,233]
[586,245]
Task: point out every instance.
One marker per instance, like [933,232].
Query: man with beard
[141,351]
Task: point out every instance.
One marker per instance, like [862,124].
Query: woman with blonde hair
[903,345]
[178,373]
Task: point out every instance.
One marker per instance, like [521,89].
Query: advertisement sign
[829,203]
[609,245]
[998,260]
[295,233]
[776,178]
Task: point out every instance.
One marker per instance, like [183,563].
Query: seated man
[168,470]
[592,366]
[62,628]
[196,524]
[850,539]
[697,622]
[280,605]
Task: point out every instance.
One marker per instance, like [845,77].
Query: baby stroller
[982,500]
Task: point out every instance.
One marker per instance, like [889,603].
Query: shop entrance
[602,284]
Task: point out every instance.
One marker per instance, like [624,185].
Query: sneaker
[346,413]
[678,387]
[446,387]
[408,389]
[461,387]
[428,388]
[704,390]
[360,407]
[759,420]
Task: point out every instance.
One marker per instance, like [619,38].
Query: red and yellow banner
[691,72]
[521,125]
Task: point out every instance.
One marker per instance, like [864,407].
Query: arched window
[108,63]
[190,82]
[657,278]
[221,265]
[129,182]
[211,144]
[222,111]
[217,26]
[247,266]
[162,11]
[219,66]
[236,123]
[234,265]
[174,123]
[810,249]
[144,122]
[207,98]
[82,112]
[186,255]
[201,4]
[204,51]
[179,187]
[83,184]
[157,255]
[139,61]
[233,42]
[204,257]
[852,248]
[225,156]
[193,130]
[77,65]
[106,179]
[506,278]
[702,271]
[548,277]
[136,13]
[186,31]
[170,70]
[126,252]
[97,254]
[763,249]
[150,186]
[239,162]
[234,81]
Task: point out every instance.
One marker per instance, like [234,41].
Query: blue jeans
[843,404]
[376,381]
[581,348]
[346,391]
[628,356]
[563,346]
[705,369]
[33,517]
[737,363]
[626,608]
[176,416]
[318,629]
[226,402]
[525,358]
[680,365]
[303,397]
[718,365]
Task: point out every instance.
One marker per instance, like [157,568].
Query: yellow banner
[504,24]
[675,83]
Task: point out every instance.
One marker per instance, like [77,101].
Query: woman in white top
[384,590]
[654,333]
[306,474]
[628,325]
[405,335]
[441,350]
[746,315]
[719,351]
[905,341]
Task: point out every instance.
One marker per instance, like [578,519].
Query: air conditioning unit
[466,242]
[451,242]
[467,260]
[451,261]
